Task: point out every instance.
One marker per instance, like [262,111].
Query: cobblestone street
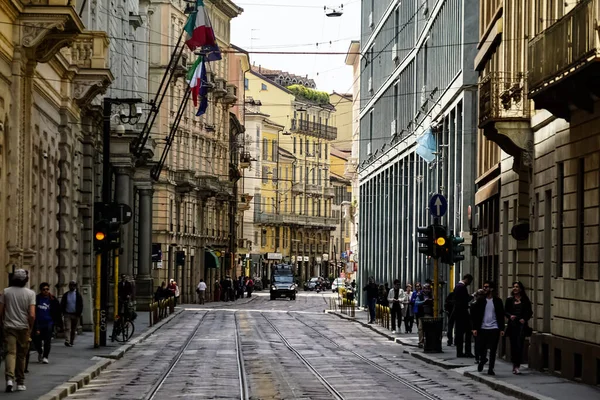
[280,349]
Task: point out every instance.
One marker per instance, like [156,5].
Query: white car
[337,283]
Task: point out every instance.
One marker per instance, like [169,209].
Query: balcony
[46,26]
[329,192]
[89,53]
[267,218]
[185,181]
[232,94]
[220,89]
[245,159]
[504,111]
[244,203]
[564,62]
[314,129]
[309,221]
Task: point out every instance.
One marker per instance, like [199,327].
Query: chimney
[260,69]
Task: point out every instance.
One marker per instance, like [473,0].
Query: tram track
[373,364]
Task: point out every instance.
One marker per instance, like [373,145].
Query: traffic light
[101,233]
[114,235]
[457,248]
[440,240]
[426,240]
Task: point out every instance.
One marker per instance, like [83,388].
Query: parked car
[337,283]
[312,284]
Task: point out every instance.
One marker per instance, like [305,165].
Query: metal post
[116,287]
[436,300]
[451,279]
[106,199]
[97,302]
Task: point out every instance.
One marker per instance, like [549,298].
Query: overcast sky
[267,25]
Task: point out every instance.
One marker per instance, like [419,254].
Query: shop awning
[210,259]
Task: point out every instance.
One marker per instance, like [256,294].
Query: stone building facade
[539,173]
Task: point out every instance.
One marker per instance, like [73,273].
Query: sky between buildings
[298,25]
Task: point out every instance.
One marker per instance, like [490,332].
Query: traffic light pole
[436,300]
[97,302]
[106,199]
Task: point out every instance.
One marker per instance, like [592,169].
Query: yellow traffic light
[100,236]
[440,241]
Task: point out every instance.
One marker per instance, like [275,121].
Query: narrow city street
[262,349]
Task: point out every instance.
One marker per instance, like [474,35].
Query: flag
[194,78]
[426,146]
[202,91]
[199,29]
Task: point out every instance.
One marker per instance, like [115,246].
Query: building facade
[307,117]
[416,79]
[342,212]
[539,130]
[193,196]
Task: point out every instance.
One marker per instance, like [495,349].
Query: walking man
[372,293]
[17,307]
[396,297]
[47,314]
[462,321]
[71,305]
[201,290]
[488,325]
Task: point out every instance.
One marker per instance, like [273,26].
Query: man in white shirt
[201,290]
[17,306]
[396,298]
[488,320]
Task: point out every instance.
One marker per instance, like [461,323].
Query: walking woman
[518,311]
[407,311]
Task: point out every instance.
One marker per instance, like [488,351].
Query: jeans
[488,339]
[71,321]
[17,346]
[372,304]
[43,340]
[396,312]
[201,296]
[408,323]
[517,342]
[463,334]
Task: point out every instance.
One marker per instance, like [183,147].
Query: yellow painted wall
[342,121]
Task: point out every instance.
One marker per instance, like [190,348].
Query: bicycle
[123,327]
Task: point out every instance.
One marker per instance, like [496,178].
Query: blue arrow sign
[438,205]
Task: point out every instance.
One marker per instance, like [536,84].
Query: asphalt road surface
[278,349]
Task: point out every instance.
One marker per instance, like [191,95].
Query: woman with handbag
[519,311]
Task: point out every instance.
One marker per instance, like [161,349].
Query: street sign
[438,205]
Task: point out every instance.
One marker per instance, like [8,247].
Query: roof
[284,78]
[353,52]
[286,153]
[340,153]
[347,96]
[338,178]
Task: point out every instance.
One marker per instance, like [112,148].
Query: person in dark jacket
[449,308]
[161,292]
[47,315]
[487,316]
[519,311]
[462,320]
[71,306]
[372,293]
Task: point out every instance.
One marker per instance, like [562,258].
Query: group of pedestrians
[487,318]
[405,304]
[228,289]
[28,317]
[165,291]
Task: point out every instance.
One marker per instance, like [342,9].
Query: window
[265,174]
[255,236]
[300,146]
[560,188]
[580,218]
[294,145]
[263,238]
[307,149]
[246,83]
[263,87]
[265,149]
[320,149]
[275,150]
[326,150]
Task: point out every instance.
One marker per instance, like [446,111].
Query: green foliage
[309,94]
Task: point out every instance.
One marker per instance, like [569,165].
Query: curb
[506,388]
[83,378]
[432,360]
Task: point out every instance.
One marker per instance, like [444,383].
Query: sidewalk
[73,367]
[530,385]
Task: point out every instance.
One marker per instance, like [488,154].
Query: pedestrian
[372,293]
[125,293]
[250,286]
[448,309]
[424,302]
[480,294]
[170,289]
[413,302]
[487,316]
[201,290]
[47,315]
[396,298]
[71,305]
[160,293]
[518,311]
[462,320]
[176,292]
[382,296]
[407,311]
[217,294]
[17,308]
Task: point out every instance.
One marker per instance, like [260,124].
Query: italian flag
[199,29]
[194,78]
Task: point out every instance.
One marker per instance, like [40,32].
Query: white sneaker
[9,385]
[21,388]
[45,361]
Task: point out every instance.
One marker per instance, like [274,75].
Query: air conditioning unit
[394,130]
[369,149]
[395,52]
[371,84]
[371,19]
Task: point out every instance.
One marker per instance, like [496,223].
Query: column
[143,280]
[123,196]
